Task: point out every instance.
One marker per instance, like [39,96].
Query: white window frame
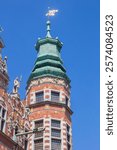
[57,128]
[38,138]
[40,92]
[56,91]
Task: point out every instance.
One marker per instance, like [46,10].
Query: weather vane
[51,12]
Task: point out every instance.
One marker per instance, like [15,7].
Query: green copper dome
[48,61]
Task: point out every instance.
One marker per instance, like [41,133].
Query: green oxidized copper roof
[48,61]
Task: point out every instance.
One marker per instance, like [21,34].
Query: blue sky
[77,26]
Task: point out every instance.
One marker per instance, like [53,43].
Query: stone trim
[51,103]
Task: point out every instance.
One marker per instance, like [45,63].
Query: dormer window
[40,96]
[55,96]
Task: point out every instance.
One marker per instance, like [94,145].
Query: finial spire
[49,14]
[48,29]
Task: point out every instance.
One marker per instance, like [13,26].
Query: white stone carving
[16,85]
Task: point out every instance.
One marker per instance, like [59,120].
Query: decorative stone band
[49,79]
[51,103]
[46,73]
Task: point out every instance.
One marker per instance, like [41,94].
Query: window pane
[56,144]
[3,113]
[66,101]
[2,125]
[39,124]
[38,144]
[68,128]
[56,133]
[68,146]
[39,96]
[68,137]
[39,134]
[55,96]
[55,123]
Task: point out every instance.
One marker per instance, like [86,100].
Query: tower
[48,97]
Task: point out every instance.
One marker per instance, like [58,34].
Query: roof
[48,62]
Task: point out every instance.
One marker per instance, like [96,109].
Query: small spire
[49,14]
[48,29]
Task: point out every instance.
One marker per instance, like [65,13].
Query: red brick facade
[50,110]
[12,114]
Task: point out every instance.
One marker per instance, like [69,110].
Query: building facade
[12,111]
[47,103]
